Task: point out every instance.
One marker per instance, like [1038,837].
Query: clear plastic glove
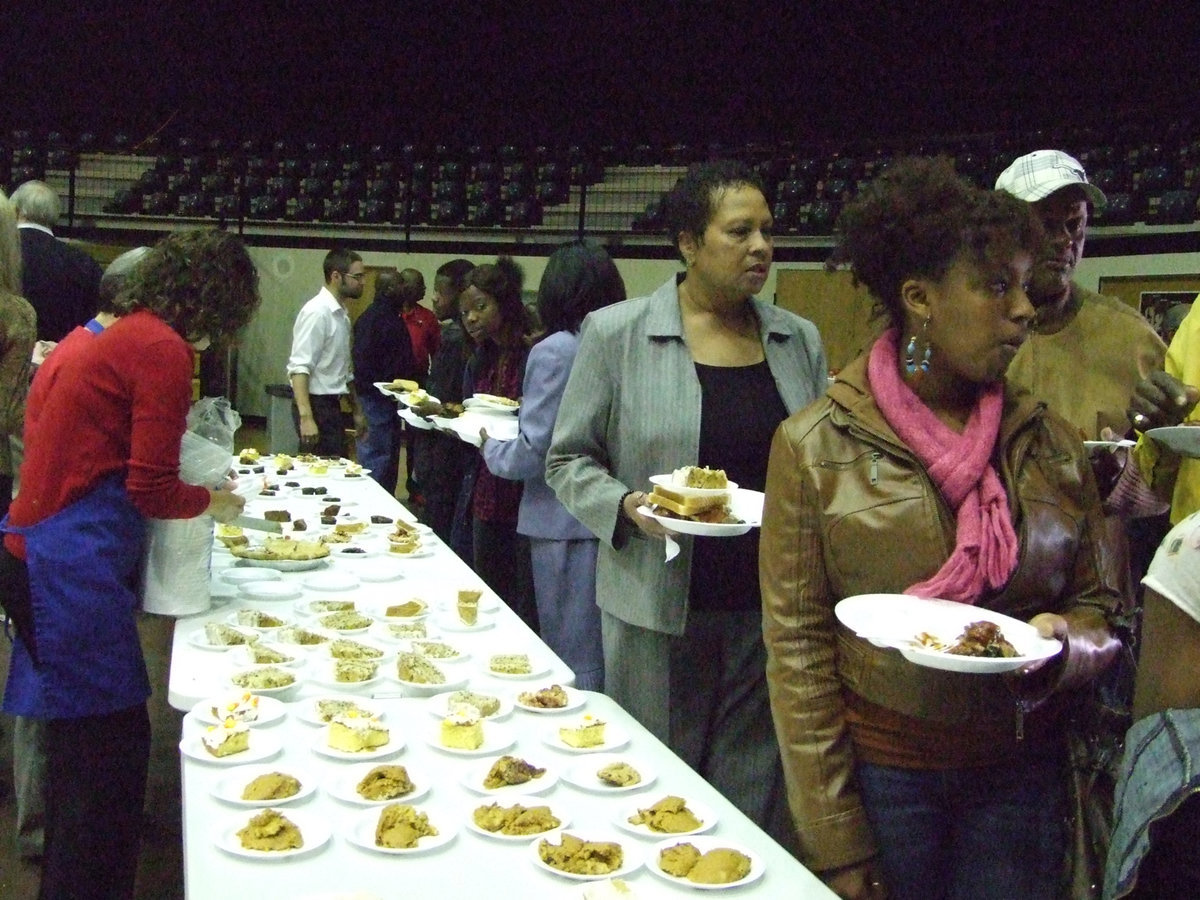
[224,506]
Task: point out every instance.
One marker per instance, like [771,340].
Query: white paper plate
[307,608]
[413,689]
[270,710]
[708,819]
[243,576]
[615,737]
[381,631]
[283,565]
[582,774]
[270,590]
[391,748]
[575,700]
[564,821]
[632,852]
[263,745]
[306,710]
[1183,439]
[491,403]
[232,619]
[744,504]
[380,570]
[353,552]
[439,705]
[344,783]
[379,611]
[313,829]
[497,737]
[331,581]
[278,692]
[323,677]
[451,622]
[895,620]
[472,780]
[228,788]
[539,668]
[665,481]
[199,640]
[362,832]
[704,843]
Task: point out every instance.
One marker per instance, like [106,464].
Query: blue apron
[83,573]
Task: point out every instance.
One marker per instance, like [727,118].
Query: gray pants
[704,694]
[29,775]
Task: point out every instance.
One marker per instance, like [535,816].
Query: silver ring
[1138,419]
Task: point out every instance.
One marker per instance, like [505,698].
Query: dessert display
[722,865]
[405,610]
[349,620]
[242,708]
[256,618]
[264,679]
[511,664]
[352,671]
[342,648]
[579,857]
[408,630]
[283,549]
[385,783]
[670,815]
[553,697]
[587,732]
[510,770]
[328,606]
[261,656]
[271,831]
[619,774]
[271,786]
[468,606]
[224,636]
[462,729]
[401,827]
[330,708]
[485,704]
[515,820]
[226,739]
[354,733]
[416,668]
[293,634]
[435,649]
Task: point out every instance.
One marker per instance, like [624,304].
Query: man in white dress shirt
[319,366]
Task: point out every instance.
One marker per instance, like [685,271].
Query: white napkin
[672,550]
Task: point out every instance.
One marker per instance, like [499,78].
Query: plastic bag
[204,456]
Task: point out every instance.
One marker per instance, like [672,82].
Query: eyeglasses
[360,277]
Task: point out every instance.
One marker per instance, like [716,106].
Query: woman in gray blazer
[699,372]
[579,278]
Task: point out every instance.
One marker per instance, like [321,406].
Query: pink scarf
[985,549]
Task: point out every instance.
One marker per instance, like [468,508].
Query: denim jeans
[380,451]
[990,833]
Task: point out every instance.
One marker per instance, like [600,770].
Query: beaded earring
[910,353]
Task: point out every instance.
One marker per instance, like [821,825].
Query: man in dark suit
[60,281]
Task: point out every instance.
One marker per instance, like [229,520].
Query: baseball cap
[1039,174]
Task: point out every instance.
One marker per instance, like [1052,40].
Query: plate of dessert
[323,710]
[322,607]
[295,635]
[243,706]
[331,581]
[439,651]
[705,863]
[218,636]
[374,784]
[407,550]
[464,733]
[261,654]
[669,816]
[515,666]
[274,681]
[395,632]
[230,743]
[941,634]
[515,823]
[257,619]
[353,675]
[552,699]
[271,834]
[350,648]
[405,611]
[585,854]
[284,554]
[401,829]
[610,775]
[351,737]
[726,515]
[346,622]
[695,481]
[422,677]
[270,590]
[585,734]
[509,775]
[354,552]
[1183,439]
[489,706]
[491,403]
[260,785]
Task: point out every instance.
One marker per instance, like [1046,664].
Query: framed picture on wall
[1165,310]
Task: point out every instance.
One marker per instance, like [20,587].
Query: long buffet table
[338,860]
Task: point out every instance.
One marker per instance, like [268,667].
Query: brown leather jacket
[850,510]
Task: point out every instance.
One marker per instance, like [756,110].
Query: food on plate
[468,606]
[721,865]
[401,827]
[350,527]
[334,537]
[277,515]
[248,456]
[511,664]
[343,648]
[405,384]
[510,770]
[299,525]
[449,411]
[497,399]
[264,679]
[405,610]
[271,831]
[579,857]
[332,510]
[385,783]
[982,639]
[318,469]
[330,708]
[256,618]
[670,815]
[415,668]
[223,636]
[619,774]
[328,606]
[403,547]
[348,620]
[485,704]
[462,729]
[283,548]
[354,470]
[352,671]
[354,733]
[349,550]
[712,508]
[381,520]
[241,708]
[268,656]
[408,630]
[315,491]
[516,819]
[271,786]
[435,649]
[283,463]
[234,540]
[553,697]
[226,739]
[587,732]
[700,477]
[294,634]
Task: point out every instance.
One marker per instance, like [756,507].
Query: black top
[740,409]
[60,281]
[382,348]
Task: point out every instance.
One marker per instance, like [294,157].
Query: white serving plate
[380,570]
[708,820]
[472,780]
[243,576]
[744,504]
[324,677]
[344,783]
[353,552]
[564,821]
[331,581]
[895,620]
[228,788]
[270,710]
[283,565]
[391,748]
[362,832]
[232,619]
[704,843]
[491,403]
[305,607]
[582,775]
[263,745]
[539,668]
[631,853]
[270,590]
[413,689]
[615,737]
[313,829]
[665,481]
[497,737]
[575,700]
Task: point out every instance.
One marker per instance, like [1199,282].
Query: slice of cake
[329,708]
[587,732]
[352,733]
[354,670]
[511,664]
[223,636]
[328,606]
[292,634]
[485,704]
[403,546]
[405,610]
[349,620]
[241,708]
[226,739]
[468,606]
[264,679]
[408,630]
[415,668]
[462,729]
[256,618]
[700,477]
[268,656]
[436,649]
[271,831]
[343,648]
[385,783]
[271,786]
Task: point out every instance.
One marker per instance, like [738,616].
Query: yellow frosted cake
[352,733]
[587,732]
[240,708]
[462,729]
[226,739]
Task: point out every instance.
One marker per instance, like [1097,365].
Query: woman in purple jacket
[579,278]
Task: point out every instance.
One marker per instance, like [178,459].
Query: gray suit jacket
[631,410]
